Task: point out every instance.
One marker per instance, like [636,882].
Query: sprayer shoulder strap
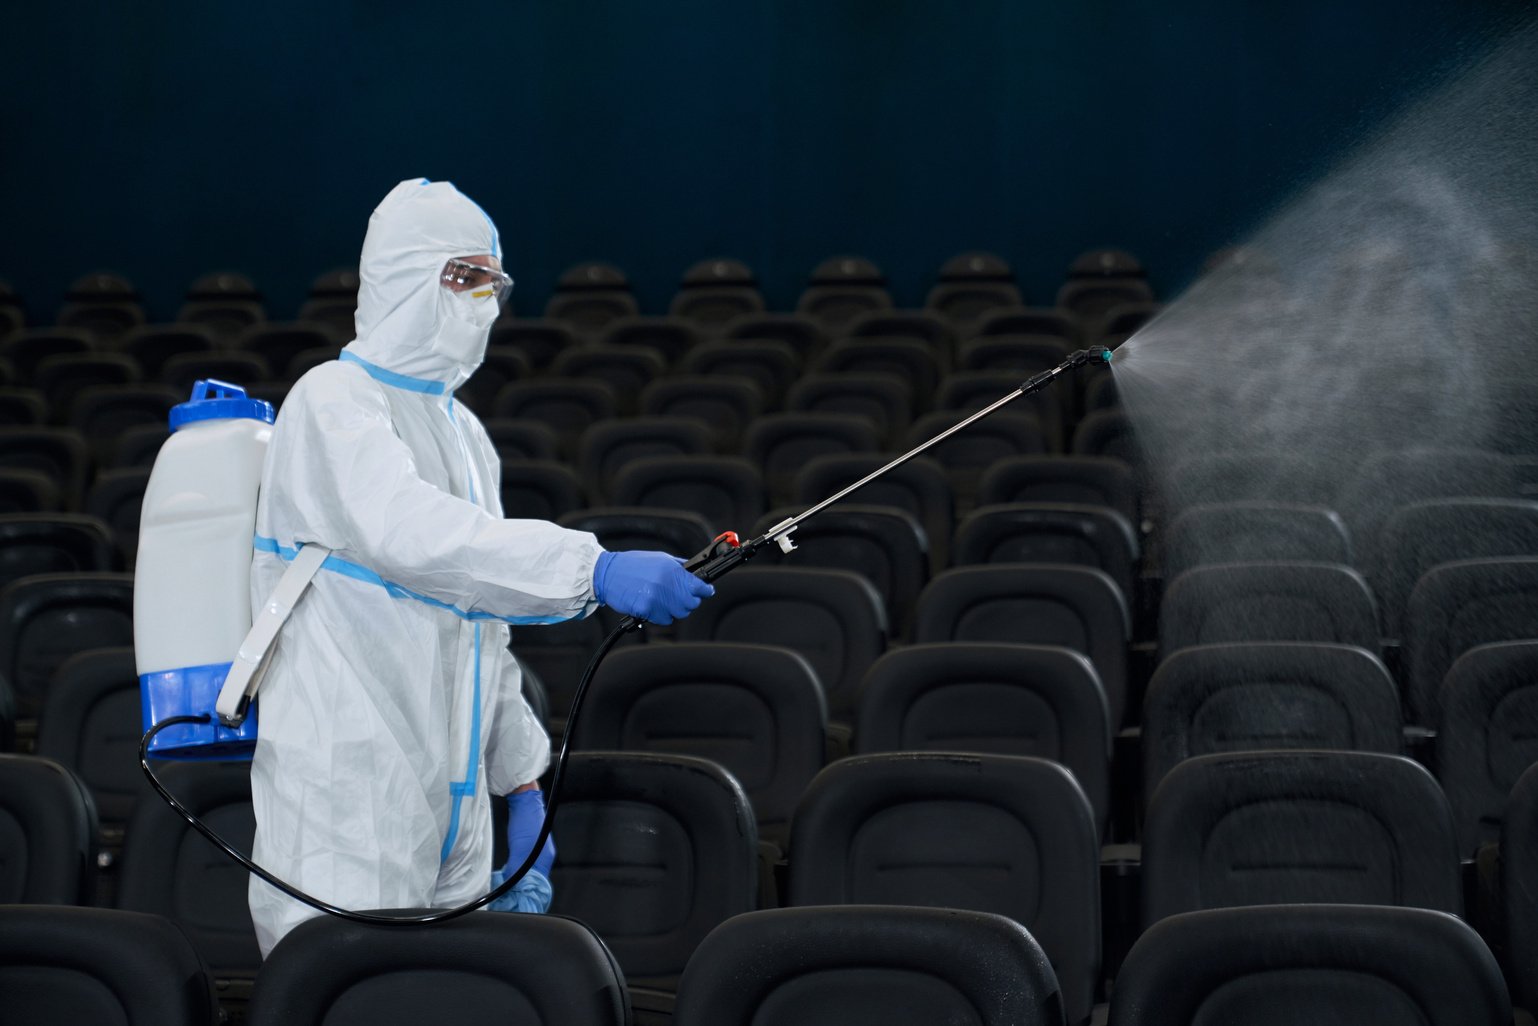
[250,662]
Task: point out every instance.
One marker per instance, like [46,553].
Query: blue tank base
[193,691]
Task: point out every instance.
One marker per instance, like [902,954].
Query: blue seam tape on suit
[462,789]
[389,377]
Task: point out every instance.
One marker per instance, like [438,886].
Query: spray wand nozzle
[1092,356]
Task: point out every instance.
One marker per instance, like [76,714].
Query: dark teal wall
[163,140]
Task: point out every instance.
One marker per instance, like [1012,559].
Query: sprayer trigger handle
[722,544]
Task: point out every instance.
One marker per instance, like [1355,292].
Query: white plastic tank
[192,605]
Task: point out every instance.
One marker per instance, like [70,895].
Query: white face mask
[474,306]
[464,322]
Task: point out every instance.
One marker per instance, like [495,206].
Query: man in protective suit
[392,708]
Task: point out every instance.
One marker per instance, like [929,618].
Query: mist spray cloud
[1392,305]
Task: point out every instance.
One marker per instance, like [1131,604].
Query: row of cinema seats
[106,306]
[774,349]
[590,296]
[659,855]
[1026,696]
[1325,964]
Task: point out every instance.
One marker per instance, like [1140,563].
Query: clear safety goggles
[463,276]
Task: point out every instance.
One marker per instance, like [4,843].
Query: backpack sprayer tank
[192,605]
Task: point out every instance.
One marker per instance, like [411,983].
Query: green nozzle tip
[1107,353]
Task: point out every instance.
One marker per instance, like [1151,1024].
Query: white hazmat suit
[391,708]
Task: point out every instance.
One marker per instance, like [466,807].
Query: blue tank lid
[227,402]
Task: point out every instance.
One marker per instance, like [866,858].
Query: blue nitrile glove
[525,815]
[650,585]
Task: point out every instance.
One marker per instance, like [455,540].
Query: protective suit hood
[403,323]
